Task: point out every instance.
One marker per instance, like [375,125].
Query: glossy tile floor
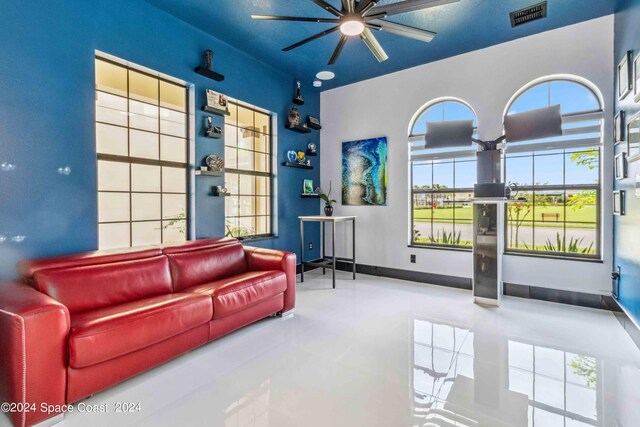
[380,352]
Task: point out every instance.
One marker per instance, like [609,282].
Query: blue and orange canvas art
[364,172]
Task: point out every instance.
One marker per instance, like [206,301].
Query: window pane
[146,233]
[458,111]
[466,174]
[245,160]
[263,123]
[261,162]
[520,223]
[582,167]
[247,183]
[422,176]
[573,97]
[262,225]
[145,206]
[231,158]
[111,140]
[145,178]
[245,117]
[144,144]
[111,78]
[112,236]
[111,109]
[174,231]
[143,116]
[231,206]
[247,206]
[549,169]
[246,226]
[232,118]
[532,99]
[173,149]
[581,238]
[433,114]
[261,205]
[173,96]
[519,169]
[113,207]
[262,186]
[245,139]
[174,180]
[261,143]
[232,182]
[443,175]
[173,123]
[582,206]
[113,176]
[230,136]
[174,206]
[143,87]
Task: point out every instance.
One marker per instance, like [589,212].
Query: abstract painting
[364,172]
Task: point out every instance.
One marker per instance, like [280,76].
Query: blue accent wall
[47,112]
[627,227]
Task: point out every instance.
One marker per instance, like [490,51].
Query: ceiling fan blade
[348,5]
[293,18]
[338,51]
[312,38]
[404,30]
[365,5]
[409,6]
[326,6]
[372,43]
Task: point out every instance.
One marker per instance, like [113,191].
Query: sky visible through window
[551,166]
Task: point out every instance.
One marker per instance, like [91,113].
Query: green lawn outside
[586,216]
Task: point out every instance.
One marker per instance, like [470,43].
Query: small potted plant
[328,206]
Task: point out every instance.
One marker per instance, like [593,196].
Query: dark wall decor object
[633,138]
[217,103]
[313,123]
[619,127]
[298,98]
[293,122]
[207,69]
[625,79]
[618,202]
[621,166]
[212,131]
[636,79]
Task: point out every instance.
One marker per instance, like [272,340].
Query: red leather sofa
[78,324]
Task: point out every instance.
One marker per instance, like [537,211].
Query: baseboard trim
[581,299]
[627,322]
[411,276]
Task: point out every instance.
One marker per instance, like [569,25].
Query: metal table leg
[333,251]
[354,249]
[324,255]
[301,251]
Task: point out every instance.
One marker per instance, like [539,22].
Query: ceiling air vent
[528,14]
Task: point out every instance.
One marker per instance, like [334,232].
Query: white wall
[486,79]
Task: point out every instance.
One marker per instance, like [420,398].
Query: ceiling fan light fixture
[352,27]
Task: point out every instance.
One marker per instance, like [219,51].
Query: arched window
[558,178]
[441,180]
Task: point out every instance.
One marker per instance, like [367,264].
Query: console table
[328,262]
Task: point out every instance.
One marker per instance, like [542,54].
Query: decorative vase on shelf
[292,156]
[328,210]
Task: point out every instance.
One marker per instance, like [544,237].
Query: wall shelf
[213,135]
[296,165]
[220,195]
[310,196]
[209,74]
[298,128]
[216,111]
[209,173]
[309,153]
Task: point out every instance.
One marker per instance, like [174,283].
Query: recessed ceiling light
[317,83]
[352,27]
[325,75]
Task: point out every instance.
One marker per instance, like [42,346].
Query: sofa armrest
[33,353]
[259,259]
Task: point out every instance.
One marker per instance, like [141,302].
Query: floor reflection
[519,384]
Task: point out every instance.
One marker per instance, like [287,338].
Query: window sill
[595,260]
[256,239]
[441,248]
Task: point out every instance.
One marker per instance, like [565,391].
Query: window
[558,178]
[141,141]
[441,182]
[248,148]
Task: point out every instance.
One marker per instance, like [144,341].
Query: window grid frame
[130,161]
[251,173]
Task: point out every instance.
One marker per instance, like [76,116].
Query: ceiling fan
[358,18]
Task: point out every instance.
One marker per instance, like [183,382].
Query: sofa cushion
[104,334]
[95,286]
[239,292]
[199,267]
[198,245]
